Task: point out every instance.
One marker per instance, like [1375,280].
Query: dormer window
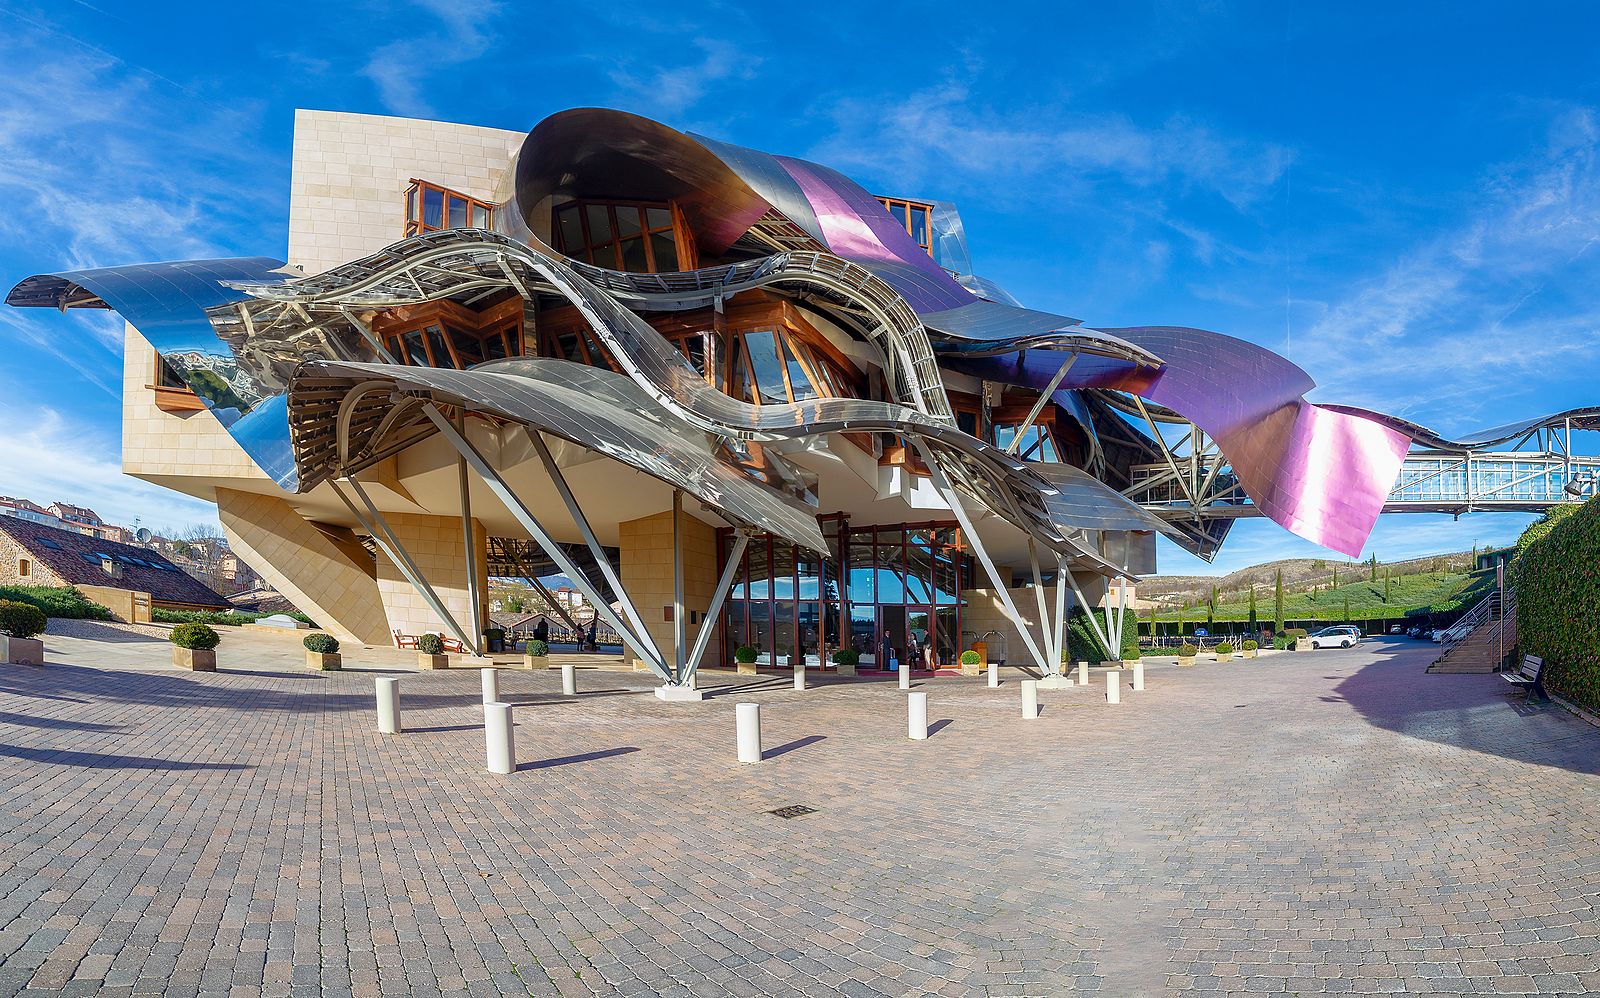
[914,217]
[430,208]
[635,236]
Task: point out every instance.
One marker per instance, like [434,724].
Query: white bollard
[569,679]
[1083,673]
[994,674]
[917,716]
[1113,686]
[499,748]
[1030,699]
[747,727]
[799,676]
[1138,674]
[491,684]
[388,705]
[905,675]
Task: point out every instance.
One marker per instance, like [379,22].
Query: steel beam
[708,625]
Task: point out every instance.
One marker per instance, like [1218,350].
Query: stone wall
[646,553]
[435,544]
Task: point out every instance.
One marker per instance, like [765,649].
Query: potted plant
[494,640]
[322,652]
[1130,655]
[1186,654]
[19,622]
[430,652]
[745,657]
[1224,651]
[1248,649]
[1297,635]
[845,661]
[536,655]
[970,662]
[192,647]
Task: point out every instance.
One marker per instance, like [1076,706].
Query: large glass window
[618,235]
[430,207]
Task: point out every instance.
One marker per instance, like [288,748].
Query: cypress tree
[1277,604]
[1253,625]
[1374,577]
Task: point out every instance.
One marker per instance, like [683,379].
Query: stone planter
[323,661]
[426,661]
[1248,653]
[1302,644]
[746,668]
[536,661]
[1224,656]
[844,669]
[975,669]
[1185,661]
[195,659]
[1125,664]
[21,651]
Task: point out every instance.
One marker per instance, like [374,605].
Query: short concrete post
[1138,674]
[388,705]
[499,748]
[917,716]
[747,726]
[1113,686]
[799,675]
[905,675]
[569,679]
[491,684]
[994,674]
[1083,673]
[1030,699]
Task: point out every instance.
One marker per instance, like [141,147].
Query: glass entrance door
[920,639]
[891,636]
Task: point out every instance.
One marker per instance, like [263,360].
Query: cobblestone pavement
[1335,821]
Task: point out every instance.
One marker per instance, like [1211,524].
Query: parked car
[1415,632]
[1396,629]
[1427,634]
[1337,636]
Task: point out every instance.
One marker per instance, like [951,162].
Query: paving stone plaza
[1334,821]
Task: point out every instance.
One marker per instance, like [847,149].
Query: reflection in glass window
[914,217]
[617,235]
[798,381]
[1037,443]
[430,207]
[763,350]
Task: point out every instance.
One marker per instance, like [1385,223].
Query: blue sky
[1403,198]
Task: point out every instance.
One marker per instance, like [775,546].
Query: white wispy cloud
[400,69]
[1489,297]
[672,89]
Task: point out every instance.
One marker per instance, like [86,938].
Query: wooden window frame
[889,204]
[172,398]
[412,207]
[393,326]
[688,258]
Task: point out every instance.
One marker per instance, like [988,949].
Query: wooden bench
[1527,675]
[410,641]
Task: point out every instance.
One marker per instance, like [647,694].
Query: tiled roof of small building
[78,559]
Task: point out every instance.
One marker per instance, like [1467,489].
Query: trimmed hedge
[846,656]
[195,636]
[226,618]
[1083,646]
[1187,651]
[745,654]
[430,644]
[21,620]
[970,657]
[1224,648]
[538,649]
[65,602]
[1556,575]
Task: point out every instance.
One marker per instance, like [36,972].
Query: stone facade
[435,544]
[350,174]
[321,577]
[645,548]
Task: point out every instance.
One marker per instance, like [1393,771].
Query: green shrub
[1281,642]
[64,602]
[1249,646]
[970,657]
[846,656]
[197,636]
[322,644]
[538,649]
[1556,576]
[1187,651]
[744,654]
[430,644]
[1224,648]
[1083,646]
[216,618]
[21,620]
[1131,653]
[1296,632]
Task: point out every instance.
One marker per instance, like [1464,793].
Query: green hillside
[1438,592]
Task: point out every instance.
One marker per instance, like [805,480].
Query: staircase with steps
[1480,640]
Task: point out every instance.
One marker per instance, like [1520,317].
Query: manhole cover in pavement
[792,810]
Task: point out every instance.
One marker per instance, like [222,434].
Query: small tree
[1253,624]
[513,603]
[1347,609]
[1277,604]
[1374,574]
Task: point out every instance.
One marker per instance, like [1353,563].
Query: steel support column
[679,658]
[468,538]
[708,625]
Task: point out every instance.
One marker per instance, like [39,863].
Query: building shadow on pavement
[105,760]
[568,760]
[1479,712]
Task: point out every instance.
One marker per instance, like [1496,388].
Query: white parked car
[1338,636]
